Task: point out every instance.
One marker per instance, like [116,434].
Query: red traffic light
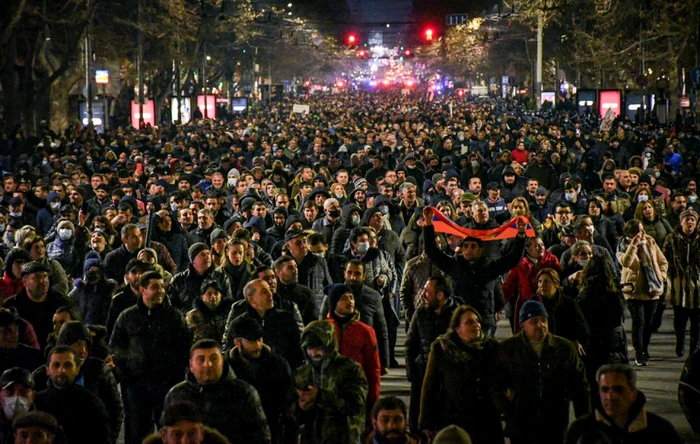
[407,53]
[362,54]
[429,34]
[352,39]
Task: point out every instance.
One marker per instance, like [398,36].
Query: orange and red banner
[506,231]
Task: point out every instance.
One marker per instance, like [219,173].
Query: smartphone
[139,167]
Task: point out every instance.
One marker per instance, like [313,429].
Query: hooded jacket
[230,405]
[336,416]
[186,286]
[208,323]
[342,233]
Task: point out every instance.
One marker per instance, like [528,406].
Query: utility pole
[88,65]
[204,79]
[140,63]
[538,68]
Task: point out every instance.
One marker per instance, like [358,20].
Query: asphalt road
[658,380]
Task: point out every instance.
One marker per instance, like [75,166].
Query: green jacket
[337,415]
[543,387]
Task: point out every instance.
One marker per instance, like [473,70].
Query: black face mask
[334,213]
[95,276]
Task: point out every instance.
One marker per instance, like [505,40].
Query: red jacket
[9,287]
[358,342]
[522,281]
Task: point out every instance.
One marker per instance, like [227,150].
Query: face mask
[15,406]
[65,233]
[642,198]
[15,214]
[355,219]
[334,213]
[582,262]
[474,163]
[692,199]
[362,247]
[55,206]
[570,197]
[410,167]
[339,196]
[657,174]
[384,210]
[232,181]
[2,228]
[319,254]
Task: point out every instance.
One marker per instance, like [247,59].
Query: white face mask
[642,198]
[232,181]
[355,219]
[55,206]
[65,233]
[15,214]
[2,228]
[15,406]
[362,247]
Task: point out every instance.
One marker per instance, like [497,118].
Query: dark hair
[261,268]
[58,350]
[182,411]
[147,277]
[631,227]
[315,239]
[624,369]
[358,263]
[459,312]
[357,232]
[204,344]
[441,285]
[72,311]
[389,403]
[598,275]
[280,261]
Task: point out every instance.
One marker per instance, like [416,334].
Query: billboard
[610,99]
[184,109]
[98,115]
[211,106]
[585,99]
[239,104]
[149,113]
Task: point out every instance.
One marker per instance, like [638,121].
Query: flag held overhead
[508,230]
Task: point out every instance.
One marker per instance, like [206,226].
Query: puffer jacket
[410,237]
[378,262]
[521,281]
[229,405]
[356,340]
[683,253]
[543,387]
[207,323]
[337,416]
[457,389]
[632,268]
[186,286]
[68,255]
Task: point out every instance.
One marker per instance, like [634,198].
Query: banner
[506,231]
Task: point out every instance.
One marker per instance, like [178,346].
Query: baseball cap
[16,375]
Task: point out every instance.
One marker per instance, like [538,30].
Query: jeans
[681,315]
[642,323]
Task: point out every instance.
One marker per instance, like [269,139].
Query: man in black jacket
[82,415]
[475,277]
[93,373]
[150,342]
[186,285]
[254,362]
[116,261]
[129,294]
[289,288]
[429,321]
[280,328]
[228,404]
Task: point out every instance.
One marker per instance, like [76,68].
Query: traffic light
[408,53]
[429,34]
[351,40]
[362,54]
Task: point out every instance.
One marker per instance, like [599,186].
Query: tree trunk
[59,110]
[9,80]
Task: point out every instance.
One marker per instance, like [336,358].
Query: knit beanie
[335,292]
[195,249]
[530,309]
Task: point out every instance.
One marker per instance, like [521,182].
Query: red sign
[149,114]
[610,100]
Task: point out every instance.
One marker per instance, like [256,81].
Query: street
[658,380]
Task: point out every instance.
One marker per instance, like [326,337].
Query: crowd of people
[244,280]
